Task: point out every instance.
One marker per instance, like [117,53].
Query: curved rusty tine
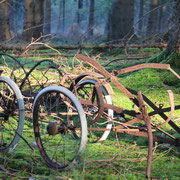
[146,65]
[100,104]
[143,109]
[171,98]
[143,66]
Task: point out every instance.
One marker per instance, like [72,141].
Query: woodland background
[86,21]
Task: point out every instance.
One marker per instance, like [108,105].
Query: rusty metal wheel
[60,126]
[85,90]
[11,114]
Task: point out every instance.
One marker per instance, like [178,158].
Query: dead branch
[113,158]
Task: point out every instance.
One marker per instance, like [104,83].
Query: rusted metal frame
[171,98]
[93,75]
[113,107]
[158,110]
[115,129]
[100,103]
[136,120]
[165,110]
[103,71]
[147,120]
[172,137]
[143,66]
[155,137]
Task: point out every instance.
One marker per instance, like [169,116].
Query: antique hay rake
[60,121]
[94,99]
[63,118]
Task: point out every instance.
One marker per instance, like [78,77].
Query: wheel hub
[53,128]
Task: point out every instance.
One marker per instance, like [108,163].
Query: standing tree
[80,6]
[121,19]
[38,18]
[174,33]
[153,16]
[29,20]
[141,11]
[91,18]
[47,28]
[4,22]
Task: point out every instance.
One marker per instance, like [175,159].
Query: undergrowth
[121,156]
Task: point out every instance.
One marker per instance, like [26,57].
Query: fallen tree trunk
[21,48]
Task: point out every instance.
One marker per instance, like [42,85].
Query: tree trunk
[174,33]
[141,11]
[160,17]
[47,28]
[4,22]
[152,20]
[29,20]
[91,18]
[39,18]
[80,6]
[121,19]
[64,6]
[59,25]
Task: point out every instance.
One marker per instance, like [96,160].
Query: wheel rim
[8,114]
[55,120]
[85,90]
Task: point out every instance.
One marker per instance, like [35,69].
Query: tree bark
[141,11]
[80,6]
[121,19]
[160,17]
[174,33]
[39,18]
[4,22]
[64,6]
[152,20]
[47,28]
[91,18]
[29,20]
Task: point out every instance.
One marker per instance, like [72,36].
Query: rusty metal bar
[171,98]
[147,120]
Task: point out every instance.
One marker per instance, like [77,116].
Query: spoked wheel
[11,114]
[85,90]
[58,120]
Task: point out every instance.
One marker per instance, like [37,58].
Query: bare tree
[80,6]
[121,19]
[47,28]
[29,20]
[91,18]
[152,20]
[174,33]
[141,11]
[38,18]
[4,21]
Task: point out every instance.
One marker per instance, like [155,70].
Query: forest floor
[120,156]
